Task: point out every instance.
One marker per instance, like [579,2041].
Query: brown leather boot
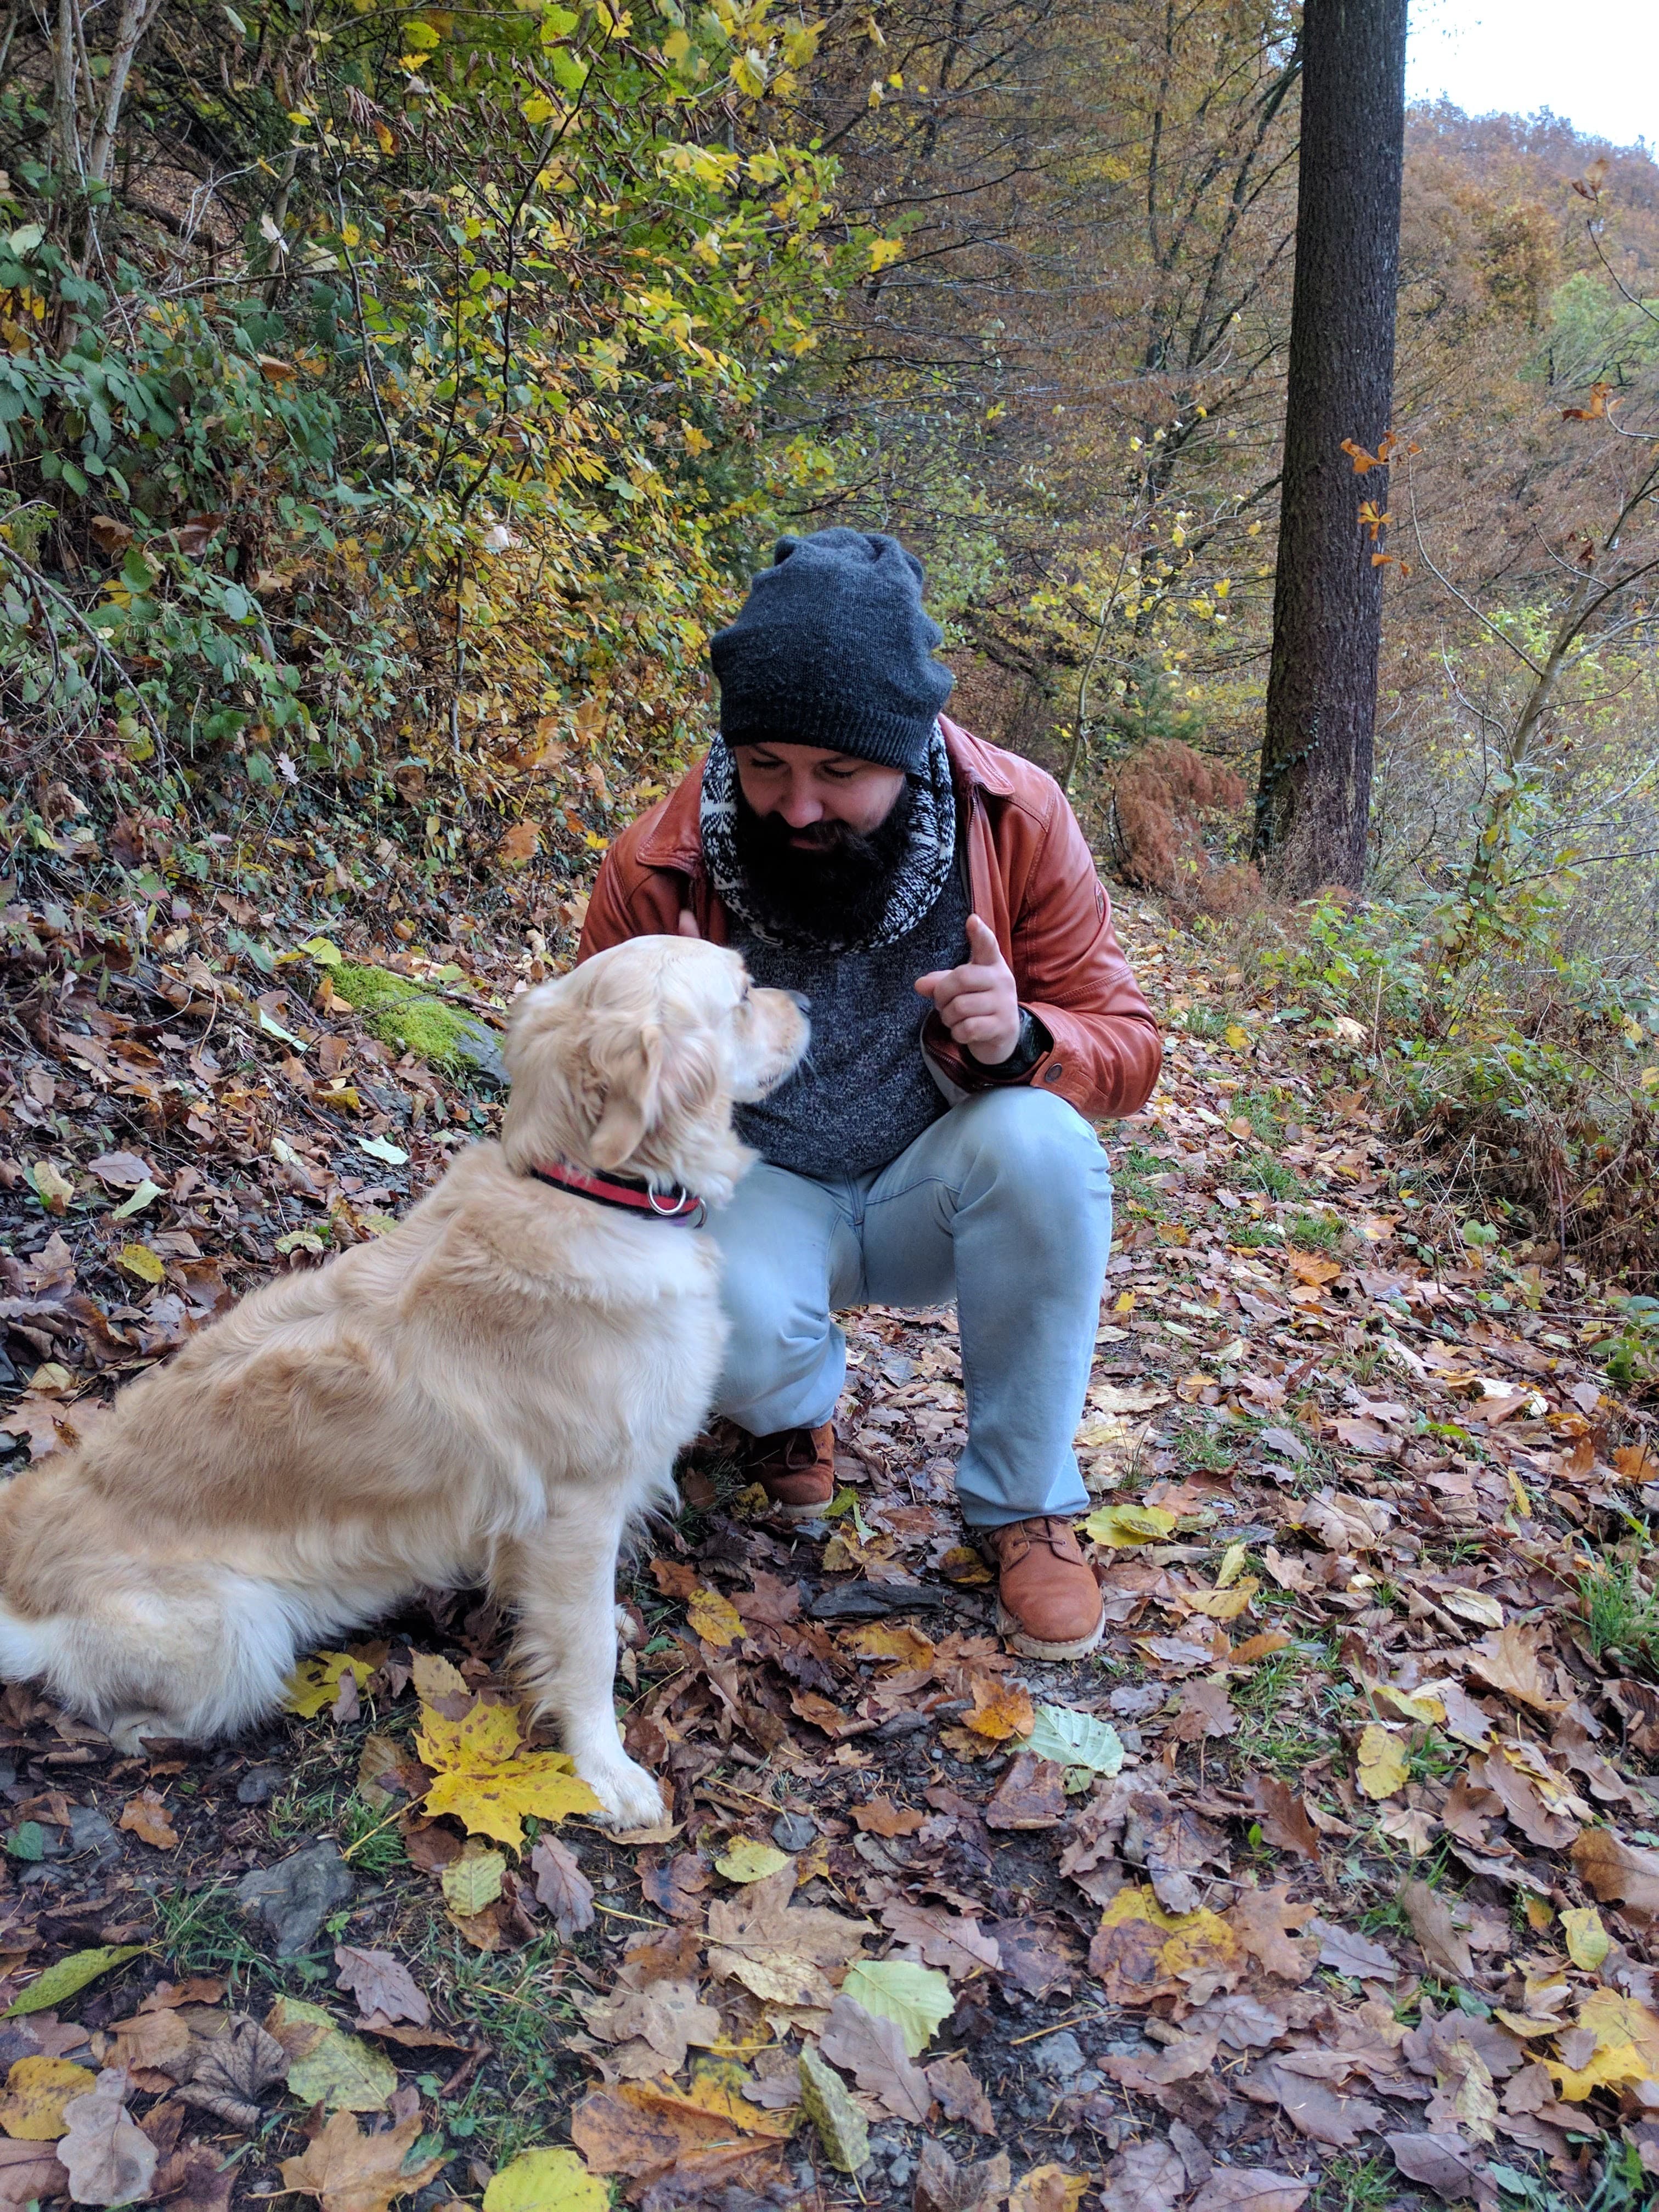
[796,1467]
[1049,1603]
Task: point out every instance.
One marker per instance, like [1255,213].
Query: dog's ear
[632,1075]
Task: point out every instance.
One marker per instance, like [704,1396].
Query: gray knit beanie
[832,649]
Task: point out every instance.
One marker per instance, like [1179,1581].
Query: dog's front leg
[563,1582]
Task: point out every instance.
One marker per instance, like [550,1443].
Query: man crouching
[934,898]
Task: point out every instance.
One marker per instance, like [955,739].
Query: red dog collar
[627,1194]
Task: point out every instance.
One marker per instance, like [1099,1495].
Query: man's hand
[978,1002]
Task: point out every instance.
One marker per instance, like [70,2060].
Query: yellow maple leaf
[1382,1768]
[1626,2047]
[315,1683]
[485,1777]
[1001,1710]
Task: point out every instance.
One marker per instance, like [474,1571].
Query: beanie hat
[832,649]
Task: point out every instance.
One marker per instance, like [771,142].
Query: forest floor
[1334,1885]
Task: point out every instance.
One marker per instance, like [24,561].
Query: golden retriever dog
[491,1393]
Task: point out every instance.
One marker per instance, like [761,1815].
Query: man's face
[819,835]
[816,794]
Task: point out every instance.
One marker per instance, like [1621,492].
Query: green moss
[408,1019]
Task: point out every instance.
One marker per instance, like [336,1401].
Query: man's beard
[836,886]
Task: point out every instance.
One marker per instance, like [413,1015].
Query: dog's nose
[800,1000]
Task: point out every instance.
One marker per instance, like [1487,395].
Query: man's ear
[632,1095]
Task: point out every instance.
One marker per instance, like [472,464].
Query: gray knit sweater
[864,1092]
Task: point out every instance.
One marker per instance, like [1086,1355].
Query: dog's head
[633,1062]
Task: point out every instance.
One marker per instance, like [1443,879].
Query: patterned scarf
[921,876]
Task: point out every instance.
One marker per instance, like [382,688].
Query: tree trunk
[1314,798]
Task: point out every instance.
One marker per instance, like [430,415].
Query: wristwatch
[1033,1042]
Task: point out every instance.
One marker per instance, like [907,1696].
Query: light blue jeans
[1005,1203]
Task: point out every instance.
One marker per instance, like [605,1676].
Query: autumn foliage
[1169,808]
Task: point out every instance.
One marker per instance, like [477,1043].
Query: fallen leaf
[141,1263]
[485,1777]
[561,1887]
[1315,2108]
[942,2185]
[1122,1525]
[1283,1817]
[1030,1795]
[676,1885]
[1445,2163]
[1250,2189]
[121,1170]
[652,2028]
[707,2134]
[1509,1661]
[1345,1951]
[1143,2177]
[1264,1921]
[107,2156]
[1048,2189]
[1431,1921]
[960,2096]
[1624,2047]
[1314,1268]
[32,2110]
[871,2049]
[473,1881]
[777,1950]
[388,1775]
[1073,1739]
[380,1983]
[229,2078]
[1140,1951]
[671,1956]
[744,1860]
[916,1998]
[714,1618]
[1588,1941]
[548,2180]
[883,1639]
[879,1816]
[69,1975]
[944,1939]
[340,2071]
[841,2125]
[153,2040]
[1381,1763]
[29,2174]
[1001,1708]
[1619,1873]
[150,1819]
[315,1683]
[351,2172]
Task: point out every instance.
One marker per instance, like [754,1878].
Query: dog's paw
[629,1798]
[128,1731]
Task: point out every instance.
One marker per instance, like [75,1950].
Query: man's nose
[801,809]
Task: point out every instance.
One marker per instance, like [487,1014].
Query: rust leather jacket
[1032,879]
